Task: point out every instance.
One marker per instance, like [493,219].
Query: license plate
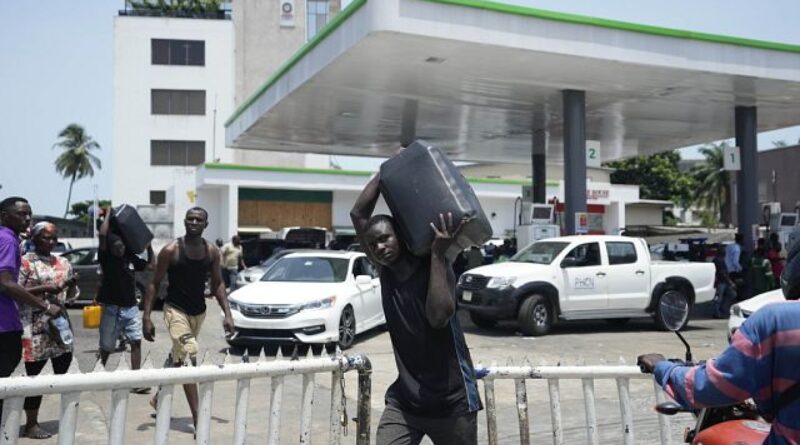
[466,296]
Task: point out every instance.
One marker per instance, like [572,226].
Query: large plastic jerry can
[91,316]
[129,225]
[418,184]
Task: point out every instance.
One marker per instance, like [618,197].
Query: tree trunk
[69,195]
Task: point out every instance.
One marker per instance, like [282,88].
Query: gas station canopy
[477,78]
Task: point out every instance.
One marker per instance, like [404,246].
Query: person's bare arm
[362,211]
[241,260]
[162,265]
[219,290]
[104,228]
[440,304]
[10,287]
[43,289]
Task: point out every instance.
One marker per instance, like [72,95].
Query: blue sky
[56,68]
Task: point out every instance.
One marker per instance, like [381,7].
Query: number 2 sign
[593,153]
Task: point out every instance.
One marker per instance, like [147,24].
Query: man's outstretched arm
[362,212]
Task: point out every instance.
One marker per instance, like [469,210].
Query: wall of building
[262,46]
[644,215]
[212,199]
[778,180]
[135,76]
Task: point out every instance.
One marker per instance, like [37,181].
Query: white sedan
[740,311]
[316,297]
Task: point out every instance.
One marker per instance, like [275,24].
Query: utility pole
[95,211]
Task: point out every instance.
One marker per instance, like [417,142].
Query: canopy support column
[748,211]
[574,156]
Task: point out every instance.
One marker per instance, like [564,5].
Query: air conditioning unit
[774,207]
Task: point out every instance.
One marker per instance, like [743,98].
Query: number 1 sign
[731,159]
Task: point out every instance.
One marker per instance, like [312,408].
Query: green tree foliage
[80,210]
[76,160]
[657,176]
[178,6]
[713,191]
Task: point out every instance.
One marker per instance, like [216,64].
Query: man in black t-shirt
[118,296]
[436,391]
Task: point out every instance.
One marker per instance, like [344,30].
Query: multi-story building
[177,77]
[173,89]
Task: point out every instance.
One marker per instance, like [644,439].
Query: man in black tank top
[436,391]
[188,261]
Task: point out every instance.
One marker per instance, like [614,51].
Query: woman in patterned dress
[43,273]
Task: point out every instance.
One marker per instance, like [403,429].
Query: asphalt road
[573,343]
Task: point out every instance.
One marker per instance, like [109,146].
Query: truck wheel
[535,316]
[481,321]
[671,297]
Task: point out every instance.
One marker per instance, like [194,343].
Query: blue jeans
[724,296]
[233,275]
[116,320]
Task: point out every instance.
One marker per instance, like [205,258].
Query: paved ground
[569,344]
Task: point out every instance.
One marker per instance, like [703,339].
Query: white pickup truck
[582,277]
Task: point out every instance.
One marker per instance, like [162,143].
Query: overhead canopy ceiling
[477,78]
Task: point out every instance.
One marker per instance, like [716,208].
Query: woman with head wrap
[50,276]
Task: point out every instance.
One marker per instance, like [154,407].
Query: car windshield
[308,269]
[543,252]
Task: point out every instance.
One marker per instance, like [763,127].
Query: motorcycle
[738,424]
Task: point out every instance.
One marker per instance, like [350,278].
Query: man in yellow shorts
[187,261]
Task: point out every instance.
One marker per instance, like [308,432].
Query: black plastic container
[418,184]
[129,226]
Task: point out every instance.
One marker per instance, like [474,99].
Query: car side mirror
[363,280]
[569,262]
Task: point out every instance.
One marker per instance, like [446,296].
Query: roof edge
[361,173]
[620,25]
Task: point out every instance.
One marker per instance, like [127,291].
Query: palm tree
[77,160]
[713,182]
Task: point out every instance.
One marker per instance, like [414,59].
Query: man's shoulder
[7,238]
[775,317]
[172,245]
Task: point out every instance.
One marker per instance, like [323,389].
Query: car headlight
[318,304]
[500,282]
[736,310]
[234,306]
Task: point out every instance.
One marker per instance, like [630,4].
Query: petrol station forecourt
[492,82]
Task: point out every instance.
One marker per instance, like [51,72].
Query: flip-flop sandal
[36,433]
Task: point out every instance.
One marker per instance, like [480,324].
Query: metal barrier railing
[13,391]
[554,374]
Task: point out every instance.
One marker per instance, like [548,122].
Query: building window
[158,197]
[178,52]
[178,102]
[316,16]
[185,153]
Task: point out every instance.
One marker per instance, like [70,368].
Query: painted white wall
[221,186]
[134,77]
[643,214]
[211,199]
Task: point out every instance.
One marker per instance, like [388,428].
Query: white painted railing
[13,391]
[554,374]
